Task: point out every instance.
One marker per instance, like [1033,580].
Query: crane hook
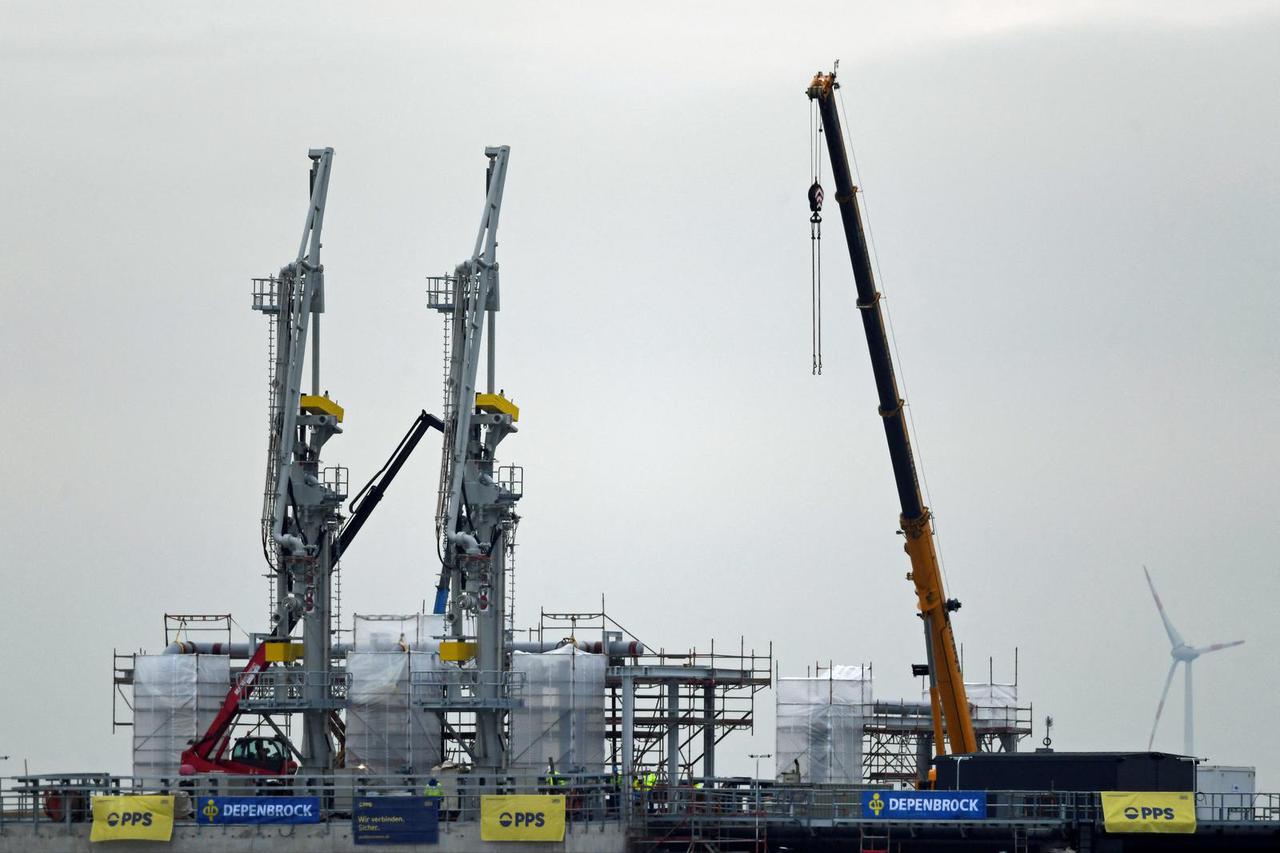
[815,271]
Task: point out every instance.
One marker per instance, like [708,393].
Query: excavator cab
[270,754]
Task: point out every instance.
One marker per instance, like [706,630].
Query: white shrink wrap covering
[175,698]
[386,733]
[820,724]
[417,632]
[992,702]
[562,715]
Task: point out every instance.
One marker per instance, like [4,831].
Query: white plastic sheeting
[562,715]
[175,698]
[989,702]
[416,632]
[820,724]
[385,732]
[992,702]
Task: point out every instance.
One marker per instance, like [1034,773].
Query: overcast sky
[1075,207]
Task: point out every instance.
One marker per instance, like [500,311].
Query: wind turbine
[1183,653]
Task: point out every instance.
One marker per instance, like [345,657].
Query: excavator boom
[950,704]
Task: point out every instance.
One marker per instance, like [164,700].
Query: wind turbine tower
[1183,653]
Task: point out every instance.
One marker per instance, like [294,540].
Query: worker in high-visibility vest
[435,794]
[554,779]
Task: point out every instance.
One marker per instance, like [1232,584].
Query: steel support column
[709,731]
[673,733]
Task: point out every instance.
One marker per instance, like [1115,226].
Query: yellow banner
[537,817]
[148,818]
[1149,811]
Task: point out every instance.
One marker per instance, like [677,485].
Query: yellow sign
[146,818]
[1149,811]
[537,817]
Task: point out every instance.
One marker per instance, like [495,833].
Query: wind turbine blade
[1219,646]
[1174,637]
[1160,708]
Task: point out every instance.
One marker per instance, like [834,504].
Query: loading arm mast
[951,717]
[475,517]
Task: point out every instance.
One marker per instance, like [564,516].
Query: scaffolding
[560,721]
[821,726]
[175,698]
[385,731]
[665,711]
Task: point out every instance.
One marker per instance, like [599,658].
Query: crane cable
[815,239]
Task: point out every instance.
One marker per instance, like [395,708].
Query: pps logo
[1148,813]
[129,819]
[521,819]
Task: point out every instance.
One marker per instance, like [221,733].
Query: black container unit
[1066,771]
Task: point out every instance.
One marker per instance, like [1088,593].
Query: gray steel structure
[475,516]
[301,504]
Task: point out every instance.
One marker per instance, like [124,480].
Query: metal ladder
[266,300]
[874,840]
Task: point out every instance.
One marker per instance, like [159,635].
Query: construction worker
[554,779]
[435,794]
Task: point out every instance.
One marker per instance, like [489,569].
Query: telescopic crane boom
[951,719]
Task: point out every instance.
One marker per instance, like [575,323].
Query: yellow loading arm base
[311,404]
[496,404]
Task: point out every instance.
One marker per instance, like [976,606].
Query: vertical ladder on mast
[266,300]
[442,296]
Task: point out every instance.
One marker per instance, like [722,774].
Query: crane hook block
[815,197]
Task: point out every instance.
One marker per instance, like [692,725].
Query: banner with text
[132,818]
[1149,811]
[925,805]
[258,810]
[395,820]
[534,817]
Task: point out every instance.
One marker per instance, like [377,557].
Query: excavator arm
[952,723]
[205,755]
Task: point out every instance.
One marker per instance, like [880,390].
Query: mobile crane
[952,723]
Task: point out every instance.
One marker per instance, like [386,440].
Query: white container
[1224,793]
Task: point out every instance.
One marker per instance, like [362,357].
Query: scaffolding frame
[682,705]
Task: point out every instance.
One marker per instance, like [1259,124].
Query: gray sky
[1075,206]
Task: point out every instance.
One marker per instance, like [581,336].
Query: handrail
[589,798]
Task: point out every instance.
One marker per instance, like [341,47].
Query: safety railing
[511,479]
[442,290]
[646,805]
[744,802]
[337,478]
[266,295]
[588,799]
[458,689]
[289,688]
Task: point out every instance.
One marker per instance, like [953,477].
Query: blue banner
[925,805]
[258,810]
[395,820]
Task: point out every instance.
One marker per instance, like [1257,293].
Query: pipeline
[243,651]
